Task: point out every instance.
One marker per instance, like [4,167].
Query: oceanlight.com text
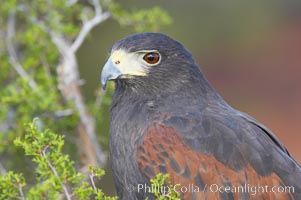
[216,188]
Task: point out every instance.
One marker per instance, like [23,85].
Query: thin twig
[68,196]
[88,25]
[12,53]
[63,113]
[96,5]
[21,192]
[71,2]
[99,98]
[92,182]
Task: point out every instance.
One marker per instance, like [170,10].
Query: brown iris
[152,57]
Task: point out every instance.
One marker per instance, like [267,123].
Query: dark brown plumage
[165,117]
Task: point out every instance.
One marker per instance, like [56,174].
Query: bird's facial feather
[132,63]
[126,64]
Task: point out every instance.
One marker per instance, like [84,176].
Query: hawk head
[149,61]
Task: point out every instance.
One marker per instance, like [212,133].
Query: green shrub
[56,175]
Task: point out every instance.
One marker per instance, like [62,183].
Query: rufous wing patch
[163,150]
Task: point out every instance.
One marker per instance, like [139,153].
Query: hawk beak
[109,72]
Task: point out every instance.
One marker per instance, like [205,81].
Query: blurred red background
[264,82]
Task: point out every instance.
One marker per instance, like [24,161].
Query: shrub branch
[68,196]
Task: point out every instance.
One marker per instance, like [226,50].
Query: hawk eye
[152,57]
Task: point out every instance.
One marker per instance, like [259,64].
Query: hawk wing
[204,153]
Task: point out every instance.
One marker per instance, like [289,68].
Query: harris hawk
[166,118]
